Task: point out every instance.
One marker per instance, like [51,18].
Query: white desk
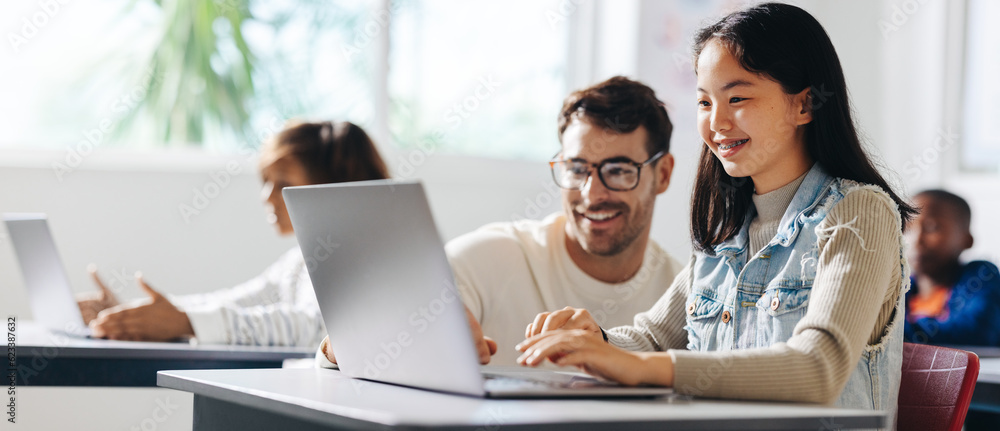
[52,359]
[984,410]
[320,399]
[989,370]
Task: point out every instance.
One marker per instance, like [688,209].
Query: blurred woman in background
[276,308]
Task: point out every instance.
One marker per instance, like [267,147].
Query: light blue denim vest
[736,303]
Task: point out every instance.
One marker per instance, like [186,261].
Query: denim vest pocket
[702,321]
[781,308]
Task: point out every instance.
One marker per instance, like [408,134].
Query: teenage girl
[794,289]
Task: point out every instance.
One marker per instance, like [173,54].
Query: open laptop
[49,292]
[387,293]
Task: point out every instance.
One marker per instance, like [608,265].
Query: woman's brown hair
[331,152]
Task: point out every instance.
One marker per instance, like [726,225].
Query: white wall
[122,212]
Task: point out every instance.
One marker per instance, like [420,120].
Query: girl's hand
[155,320]
[579,348]
[92,303]
[327,351]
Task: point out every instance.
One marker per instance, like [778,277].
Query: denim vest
[739,304]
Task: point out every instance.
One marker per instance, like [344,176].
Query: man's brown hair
[620,105]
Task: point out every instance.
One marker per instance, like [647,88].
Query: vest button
[775,303]
[726,316]
[691,308]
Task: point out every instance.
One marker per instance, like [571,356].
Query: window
[479,78]
[138,75]
[484,78]
[981,93]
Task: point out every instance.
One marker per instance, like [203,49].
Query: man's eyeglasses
[620,174]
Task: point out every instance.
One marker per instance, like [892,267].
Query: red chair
[936,387]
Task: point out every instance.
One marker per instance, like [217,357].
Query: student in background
[277,307]
[950,302]
[795,289]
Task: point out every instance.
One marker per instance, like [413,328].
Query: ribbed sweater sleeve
[857,280]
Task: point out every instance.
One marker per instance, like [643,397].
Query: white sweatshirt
[276,308]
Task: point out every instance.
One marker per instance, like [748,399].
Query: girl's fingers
[550,347]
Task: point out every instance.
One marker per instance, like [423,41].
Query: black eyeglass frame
[598,166]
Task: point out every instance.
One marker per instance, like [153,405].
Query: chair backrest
[936,387]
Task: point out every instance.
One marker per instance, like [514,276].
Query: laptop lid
[49,292]
[384,285]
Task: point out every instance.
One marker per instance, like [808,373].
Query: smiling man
[594,254]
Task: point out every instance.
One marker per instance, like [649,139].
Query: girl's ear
[804,102]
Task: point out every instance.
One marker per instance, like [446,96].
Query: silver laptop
[49,292]
[387,294]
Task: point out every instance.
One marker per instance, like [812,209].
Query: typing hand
[155,320]
[327,351]
[579,348]
[92,303]
[567,318]
[485,346]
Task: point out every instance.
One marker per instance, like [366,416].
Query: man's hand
[327,351]
[485,346]
[92,303]
[567,318]
[155,320]
[579,348]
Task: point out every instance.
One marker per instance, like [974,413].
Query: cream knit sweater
[853,299]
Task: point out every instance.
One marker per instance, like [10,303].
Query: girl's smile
[748,121]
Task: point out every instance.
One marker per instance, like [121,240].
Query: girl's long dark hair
[788,45]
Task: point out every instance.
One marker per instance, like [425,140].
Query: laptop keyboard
[497,382]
